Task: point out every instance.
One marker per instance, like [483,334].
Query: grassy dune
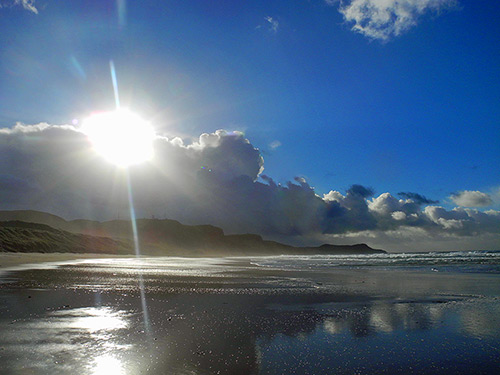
[17,236]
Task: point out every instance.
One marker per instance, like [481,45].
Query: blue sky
[413,112]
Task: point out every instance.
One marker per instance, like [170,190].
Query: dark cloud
[230,155]
[360,191]
[417,198]
[217,179]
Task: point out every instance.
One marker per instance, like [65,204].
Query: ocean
[449,261]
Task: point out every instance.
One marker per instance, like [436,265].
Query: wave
[456,261]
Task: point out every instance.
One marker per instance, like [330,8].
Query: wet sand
[19,260]
[227,316]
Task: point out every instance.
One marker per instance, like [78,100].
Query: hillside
[32,230]
[18,236]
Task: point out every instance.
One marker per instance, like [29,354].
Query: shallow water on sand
[247,316]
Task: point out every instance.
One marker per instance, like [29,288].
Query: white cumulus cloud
[384,19]
[398,215]
[469,198]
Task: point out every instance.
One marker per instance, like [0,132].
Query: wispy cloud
[274,145]
[273,24]
[26,4]
[385,19]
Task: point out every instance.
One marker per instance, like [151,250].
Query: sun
[121,137]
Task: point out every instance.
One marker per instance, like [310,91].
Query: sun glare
[107,364]
[121,136]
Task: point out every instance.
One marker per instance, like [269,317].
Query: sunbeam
[136,130]
[137,254]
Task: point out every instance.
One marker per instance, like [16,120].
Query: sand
[228,316]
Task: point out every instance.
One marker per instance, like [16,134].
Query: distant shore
[33,231]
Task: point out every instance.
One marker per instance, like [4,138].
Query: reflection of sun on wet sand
[19,260]
[234,315]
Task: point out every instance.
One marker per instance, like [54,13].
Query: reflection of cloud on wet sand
[384,318]
[481,320]
[478,319]
[334,326]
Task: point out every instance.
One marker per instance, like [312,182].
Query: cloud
[349,212]
[417,198]
[71,179]
[26,4]
[468,198]
[215,179]
[391,213]
[408,238]
[398,215]
[464,221]
[274,145]
[360,191]
[385,204]
[273,24]
[385,19]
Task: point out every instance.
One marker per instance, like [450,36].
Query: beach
[255,315]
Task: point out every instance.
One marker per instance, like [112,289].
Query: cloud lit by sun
[121,137]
